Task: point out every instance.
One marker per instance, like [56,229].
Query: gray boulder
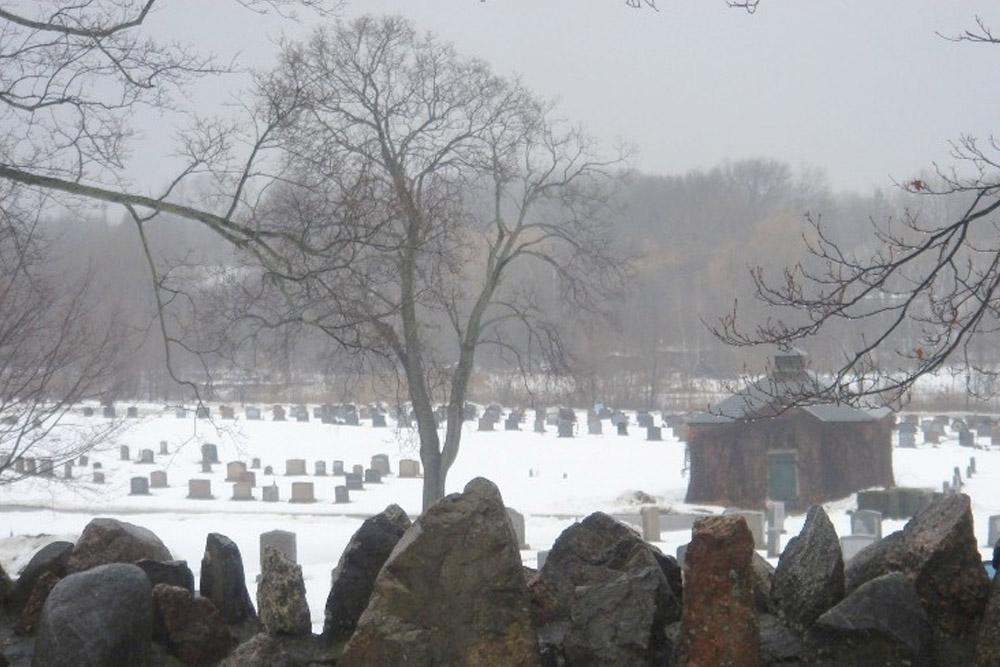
[354,577]
[53,557]
[103,616]
[452,592]
[621,622]
[173,573]
[192,628]
[810,576]
[880,623]
[281,595]
[779,644]
[106,541]
[224,582]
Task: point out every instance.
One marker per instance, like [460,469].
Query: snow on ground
[552,481]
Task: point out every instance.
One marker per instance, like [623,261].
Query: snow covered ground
[552,481]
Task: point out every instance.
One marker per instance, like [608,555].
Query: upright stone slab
[650,523]
[378,420]
[248,477]
[486,424]
[358,470]
[852,545]
[295,467]
[268,470]
[180,413]
[123,453]
[443,599]
[755,521]
[146,457]
[565,429]
[278,413]
[253,413]
[622,427]
[202,412]
[223,580]
[594,427]
[341,495]
[719,623]
[200,489]
[226,412]
[993,533]
[517,524]
[158,479]
[164,448]
[255,464]
[209,453]
[139,486]
[109,412]
[282,540]
[206,467]
[372,477]
[234,469]
[354,577]
[654,434]
[866,522]
[271,494]
[68,470]
[84,460]
[319,469]
[302,492]
[242,491]
[354,482]
[380,463]
[409,468]
[98,477]
[338,468]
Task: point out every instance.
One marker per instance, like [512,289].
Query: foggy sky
[865,91]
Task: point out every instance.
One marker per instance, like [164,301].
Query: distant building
[752,447]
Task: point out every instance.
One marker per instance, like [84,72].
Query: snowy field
[552,481]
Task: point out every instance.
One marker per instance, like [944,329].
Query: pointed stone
[223,580]
[281,595]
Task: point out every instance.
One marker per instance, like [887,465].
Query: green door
[782,476]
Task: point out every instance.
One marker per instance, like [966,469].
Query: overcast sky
[865,91]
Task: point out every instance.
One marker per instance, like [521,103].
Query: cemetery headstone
[271,494]
[202,412]
[511,423]
[378,420]
[351,419]
[268,470]
[653,434]
[227,412]
[850,545]
[210,453]
[302,492]
[295,467]
[372,477]
[594,427]
[354,482]
[249,477]
[180,413]
[68,470]
[341,495]
[650,523]
[517,523]
[242,491]
[131,412]
[253,413]
[123,453]
[234,469]
[565,428]
[282,540]
[358,470]
[200,489]
[158,479]
[164,448]
[319,468]
[206,466]
[139,486]
[485,423]
[109,412]
[278,413]
[755,521]
[994,530]
[84,460]
[255,464]
[966,438]
[409,468]
[19,466]
[46,467]
[622,428]
[97,465]
[30,466]
[866,522]
[643,419]
[380,463]
[98,477]
[146,457]
[338,468]
[88,412]
[539,424]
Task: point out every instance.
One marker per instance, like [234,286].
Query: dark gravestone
[253,413]
[202,412]
[354,482]
[88,412]
[139,486]
[173,573]
[565,428]
[338,468]
[123,453]
[378,420]
[622,428]
[351,419]
[132,412]
[373,476]
[512,424]
[653,434]
[209,454]
[109,411]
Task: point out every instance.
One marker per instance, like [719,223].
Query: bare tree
[53,351]
[432,184]
[920,295]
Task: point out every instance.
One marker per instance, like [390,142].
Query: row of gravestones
[969,431]
[566,428]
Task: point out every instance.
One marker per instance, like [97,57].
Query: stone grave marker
[517,523]
[972,464]
[681,554]
[654,434]
[242,491]
[109,412]
[351,419]
[255,464]
[966,438]
[539,423]
[378,420]
[643,419]
[932,437]
[206,466]
[755,521]
[210,453]
[358,470]
[512,423]
[139,486]
[409,468]
[164,448]
[341,495]
[131,412]
[84,460]
[278,413]
[866,522]
[180,413]
[994,530]
[98,477]
[97,465]
[253,413]
[30,466]
[202,412]
[282,540]
[88,412]
[249,477]
[268,470]
[227,412]
[302,492]
[158,479]
[565,428]
[271,494]
[200,489]
[146,457]
[372,476]
[650,523]
[319,468]
[622,428]
[123,453]
[543,556]
[594,427]
[234,469]
[68,470]
[354,482]
[19,466]
[338,468]
[485,423]
[46,467]
[380,463]
[295,467]
[850,545]
[907,435]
